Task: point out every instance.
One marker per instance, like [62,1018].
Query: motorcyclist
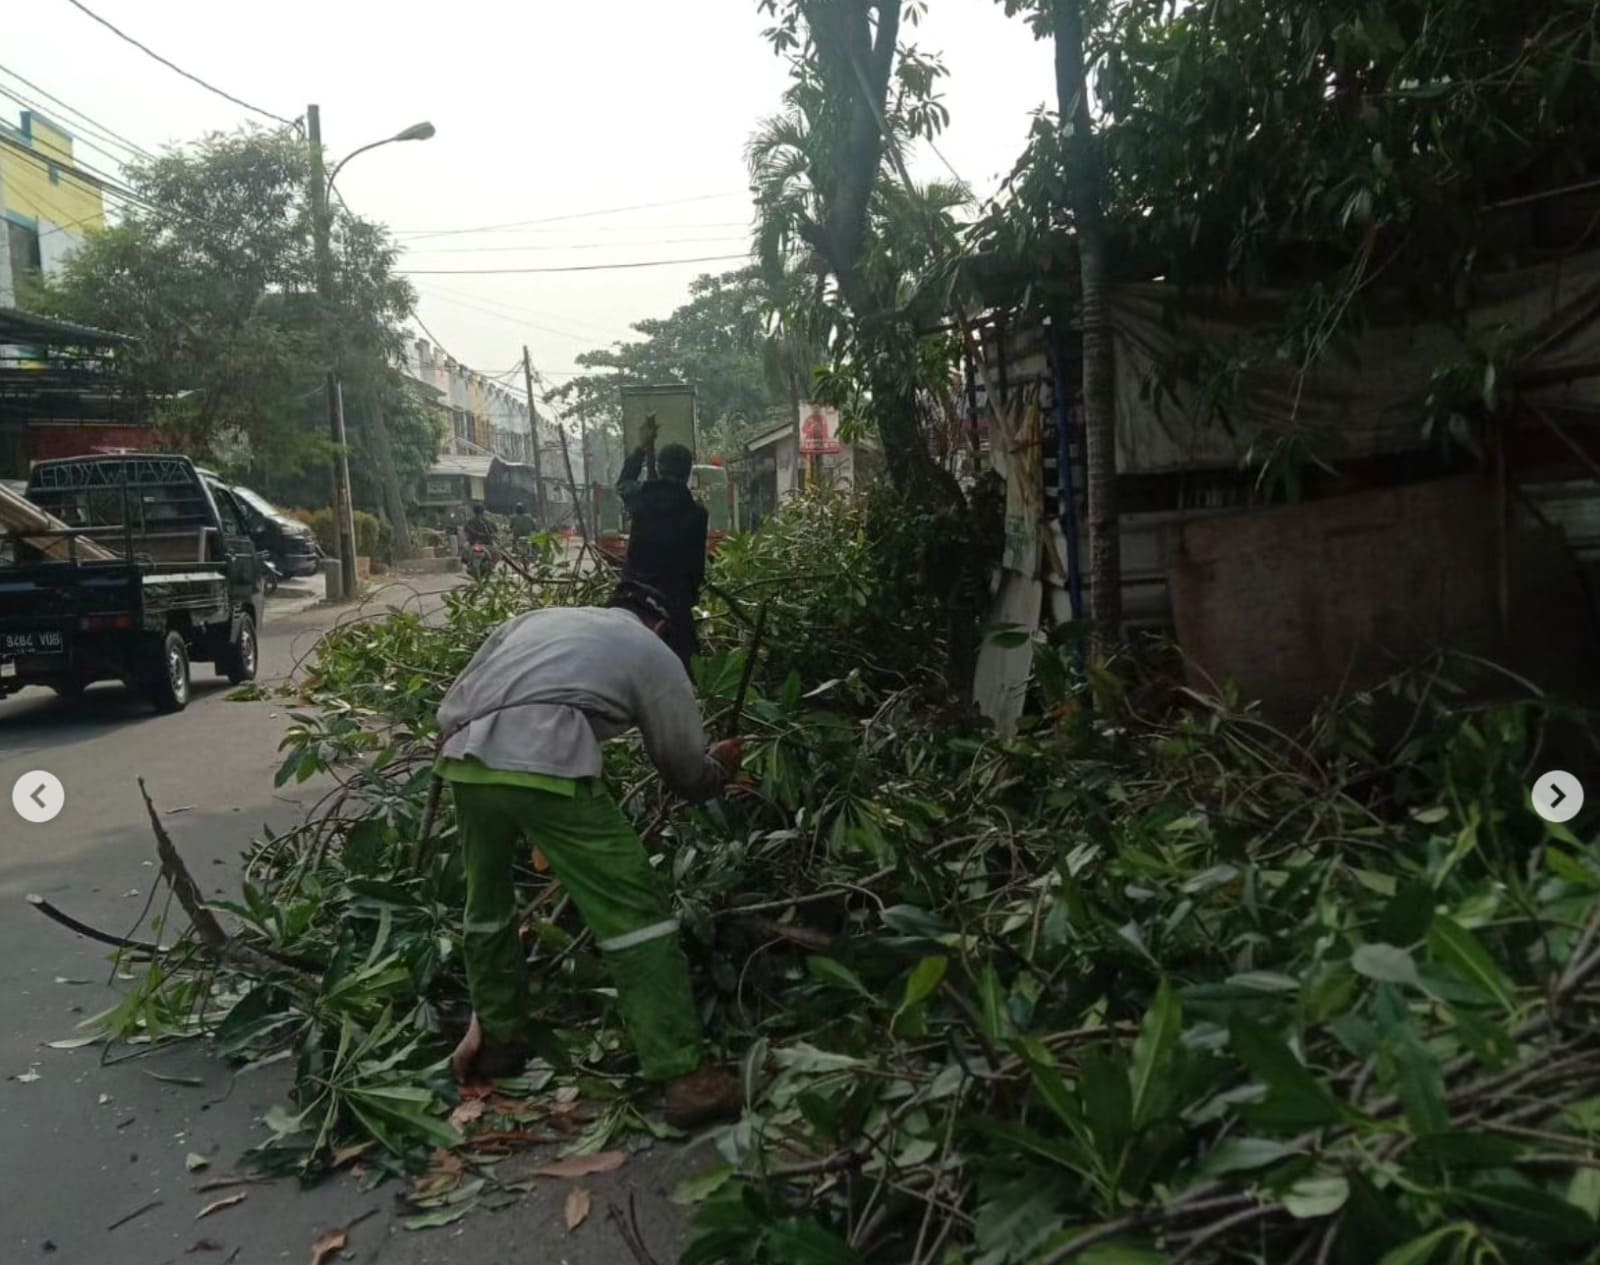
[522,524]
[479,530]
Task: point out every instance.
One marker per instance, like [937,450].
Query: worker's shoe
[702,1097]
[477,1058]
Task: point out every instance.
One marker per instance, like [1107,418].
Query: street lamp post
[322,234]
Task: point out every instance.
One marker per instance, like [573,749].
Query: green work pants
[593,851]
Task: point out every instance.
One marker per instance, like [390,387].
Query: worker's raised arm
[674,738]
[628,482]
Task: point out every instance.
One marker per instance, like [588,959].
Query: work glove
[727,753]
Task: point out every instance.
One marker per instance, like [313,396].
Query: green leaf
[1419,1081]
[1316,1197]
[1121,1254]
[1455,946]
[1583,1191]
[434,1220]
[827,971]
[1023,1139]
[1265,982]
[1570,869]
[77,1043]
[804,1057]
[175,1078]
[699,1186]
[1016,1219]
[1239,1155]
[1461,1148]
[1103,1089]
[1421,1251]
[804,1242]
[1536,1213]
[1405,919]
[1152,1052]
[1056,1094]
[992,1000]
[1297,1097]
[1386,964]
[925,978]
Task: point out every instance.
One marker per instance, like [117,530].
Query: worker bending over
[666,534]
[523,724]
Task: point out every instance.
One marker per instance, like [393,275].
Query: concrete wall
[1301,603]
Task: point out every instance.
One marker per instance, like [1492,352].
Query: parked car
[176,578]
[290,543]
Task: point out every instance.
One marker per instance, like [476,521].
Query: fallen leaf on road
[584,1165]
[577,1207]
[222,1183]
[132,891]
[104,1099]
[63,979]
[181,808]
[342,1155]
[507,1139]
[203,1245]
[328,1246]
[227,1201]
[173,1078]
[434,1219]
[467,1112]
[195,1162]
[26,1078]
[75,1043]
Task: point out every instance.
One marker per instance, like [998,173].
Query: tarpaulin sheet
[1177,408]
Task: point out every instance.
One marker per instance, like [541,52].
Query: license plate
[22,644]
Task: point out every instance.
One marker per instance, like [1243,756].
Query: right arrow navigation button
[1557,796]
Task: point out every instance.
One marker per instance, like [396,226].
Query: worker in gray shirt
[523,727]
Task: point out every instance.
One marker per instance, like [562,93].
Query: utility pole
[533,426]
[321,231]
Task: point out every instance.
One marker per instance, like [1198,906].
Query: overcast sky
[556,108]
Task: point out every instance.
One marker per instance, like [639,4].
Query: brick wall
[1300,603]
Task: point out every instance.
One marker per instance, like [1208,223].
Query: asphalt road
[82,1144]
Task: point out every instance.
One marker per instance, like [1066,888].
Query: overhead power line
[574,215]
[502,272]
[482,250]
[514,309]
[150,52]
[81,139]
[105,133]
[587,339]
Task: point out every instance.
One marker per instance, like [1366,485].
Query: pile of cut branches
[1153,982]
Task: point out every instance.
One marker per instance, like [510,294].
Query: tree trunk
[394,503]
[1099,389]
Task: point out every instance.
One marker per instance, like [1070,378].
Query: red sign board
[819,431]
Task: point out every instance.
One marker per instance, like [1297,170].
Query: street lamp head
[417,132]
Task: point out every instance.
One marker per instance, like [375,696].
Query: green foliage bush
[369,531]
[1151,978]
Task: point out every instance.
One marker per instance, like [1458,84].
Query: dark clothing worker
[479,530]
[667,537]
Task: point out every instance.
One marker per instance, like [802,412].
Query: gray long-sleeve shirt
[576,676]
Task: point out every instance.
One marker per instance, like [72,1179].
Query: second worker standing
[667,534]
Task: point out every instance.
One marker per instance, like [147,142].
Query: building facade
[486,417]
[45,210]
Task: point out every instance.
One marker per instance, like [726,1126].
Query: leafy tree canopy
[718,341]
[212,273]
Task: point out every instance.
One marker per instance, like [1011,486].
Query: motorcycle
[478,559]
[271,576]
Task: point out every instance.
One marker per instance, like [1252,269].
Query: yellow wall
[66,202]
